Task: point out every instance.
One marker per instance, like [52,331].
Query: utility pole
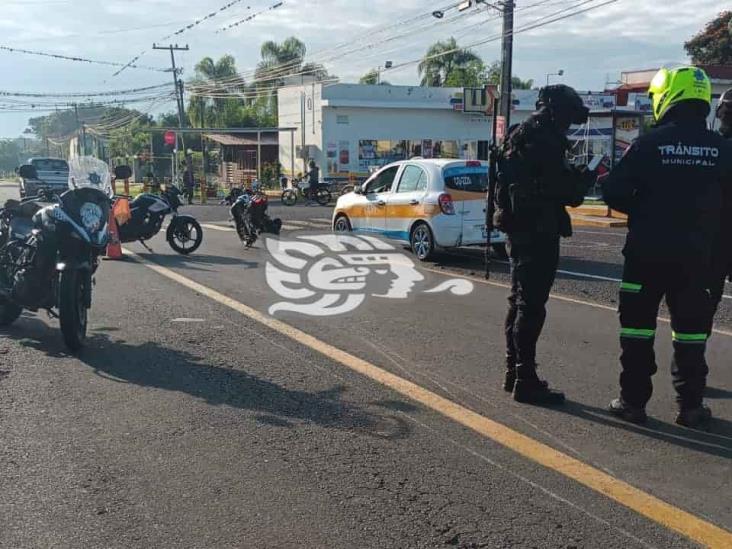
[78,130]
[178,85]
[507,61]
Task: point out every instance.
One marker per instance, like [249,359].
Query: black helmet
[563,99]
[724,109]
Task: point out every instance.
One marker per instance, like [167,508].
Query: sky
[592,48]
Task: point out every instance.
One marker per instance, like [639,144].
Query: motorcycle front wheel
[72,308]
[289,197]
[185,235]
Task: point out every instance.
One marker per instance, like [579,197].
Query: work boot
[510,380]
[694,417]
[536,391]
[628,412]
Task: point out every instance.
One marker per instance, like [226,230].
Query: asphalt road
[194,420]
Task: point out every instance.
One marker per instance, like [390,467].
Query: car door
[467,183]
[376,191]
[406,202]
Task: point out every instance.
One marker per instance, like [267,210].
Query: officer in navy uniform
[671,183]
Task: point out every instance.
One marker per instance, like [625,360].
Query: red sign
[170,138]
[500,128]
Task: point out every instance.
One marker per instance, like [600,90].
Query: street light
[560,72]
[387,65]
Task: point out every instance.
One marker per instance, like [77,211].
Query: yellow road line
[663,513]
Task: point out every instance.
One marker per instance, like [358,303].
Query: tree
[447,61]
[494,77]
[372,78]
[217,78]
[713,45]
[284,59]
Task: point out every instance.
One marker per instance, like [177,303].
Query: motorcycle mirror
[28,171]
[122,172]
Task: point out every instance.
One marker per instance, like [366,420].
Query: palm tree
[443,59]
[219,77]
[281,59]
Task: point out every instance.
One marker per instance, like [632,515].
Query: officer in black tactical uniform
[671,183]
[534,184]
[722,262]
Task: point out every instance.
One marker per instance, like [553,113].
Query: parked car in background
[426,203]
[52,173]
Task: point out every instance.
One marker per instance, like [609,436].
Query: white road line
[623,234]
[218,228]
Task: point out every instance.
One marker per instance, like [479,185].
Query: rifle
[490,206]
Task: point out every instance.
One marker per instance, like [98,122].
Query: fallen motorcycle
[147,214]
[50,247]
[250,216]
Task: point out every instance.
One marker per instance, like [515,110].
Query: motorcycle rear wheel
[72,308]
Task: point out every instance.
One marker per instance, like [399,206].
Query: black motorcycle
[148,211]
[50,247]
[250,216]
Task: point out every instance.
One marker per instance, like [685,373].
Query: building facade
[352,128]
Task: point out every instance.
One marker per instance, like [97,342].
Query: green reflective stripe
[690,338]
[641,333]
[630,287]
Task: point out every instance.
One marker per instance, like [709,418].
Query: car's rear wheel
[422,242]
[342,224]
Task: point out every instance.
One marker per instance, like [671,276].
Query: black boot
[628,412]
[529,389]
[694,417]
[510,380]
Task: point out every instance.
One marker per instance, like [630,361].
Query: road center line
[649,506]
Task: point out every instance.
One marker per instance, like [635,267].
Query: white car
[426,203]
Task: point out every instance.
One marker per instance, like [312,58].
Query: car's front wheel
[422,242]
[342,224]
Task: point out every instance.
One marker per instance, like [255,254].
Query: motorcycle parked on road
[148,212]
[250,216]
[300,191]
[50,247]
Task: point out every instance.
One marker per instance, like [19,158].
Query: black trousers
[534,263]
[690,305]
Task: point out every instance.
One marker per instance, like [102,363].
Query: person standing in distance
[534,184]
[670,183]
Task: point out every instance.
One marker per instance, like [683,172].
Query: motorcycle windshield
[87,172]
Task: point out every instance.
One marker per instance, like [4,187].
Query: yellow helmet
[672,86]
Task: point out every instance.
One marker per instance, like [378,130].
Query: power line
[249,18]
[179,32]
[77,59]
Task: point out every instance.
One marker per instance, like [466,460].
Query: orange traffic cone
[114,248]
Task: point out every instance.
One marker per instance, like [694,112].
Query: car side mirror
[28,171]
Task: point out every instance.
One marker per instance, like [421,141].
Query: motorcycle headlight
[91,216]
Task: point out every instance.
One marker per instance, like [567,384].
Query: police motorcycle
[147,214]
[50,247]
[249,213]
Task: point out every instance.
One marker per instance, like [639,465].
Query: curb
[596,221]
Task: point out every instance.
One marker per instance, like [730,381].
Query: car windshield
[50,165]
[90,172]
[466,178]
